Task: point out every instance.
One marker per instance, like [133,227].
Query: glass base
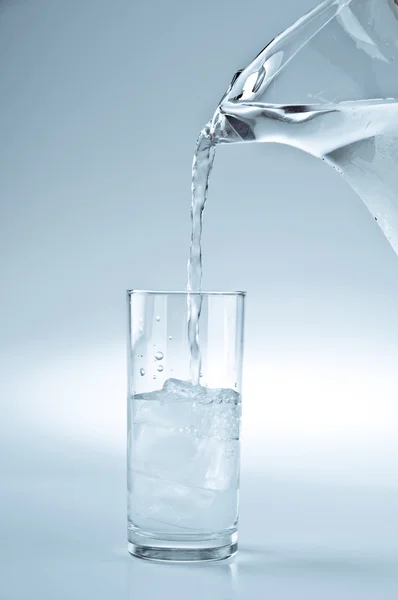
[182,550]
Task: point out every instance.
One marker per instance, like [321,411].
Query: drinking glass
[183,437]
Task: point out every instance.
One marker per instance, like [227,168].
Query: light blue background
[100,105]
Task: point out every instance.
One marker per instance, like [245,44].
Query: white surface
[63,537]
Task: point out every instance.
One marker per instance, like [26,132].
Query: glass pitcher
[328,85]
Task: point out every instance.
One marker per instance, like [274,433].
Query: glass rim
[184,293]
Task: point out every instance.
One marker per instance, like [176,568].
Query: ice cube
[165,452]
[220,396]
[166,427]
[176,387]
[170,503]
[183,390]
[217,464]
[165,408]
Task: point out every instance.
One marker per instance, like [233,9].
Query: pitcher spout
[227,129]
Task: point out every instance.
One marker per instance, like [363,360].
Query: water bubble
[236,385]
[160,368]
[142,372]
[141,329]
[158,318]
[200,374]
[170,337]
[141,355]
[154,377]
[159,355]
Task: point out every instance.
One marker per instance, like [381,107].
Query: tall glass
[183,439]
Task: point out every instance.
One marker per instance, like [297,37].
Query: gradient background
[100,105]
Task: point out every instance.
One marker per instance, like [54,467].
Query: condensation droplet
[154,377]
[200,374]
[158,318]
[141,329]
[142,371]
[160,368]
[159,355]
[170,337]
